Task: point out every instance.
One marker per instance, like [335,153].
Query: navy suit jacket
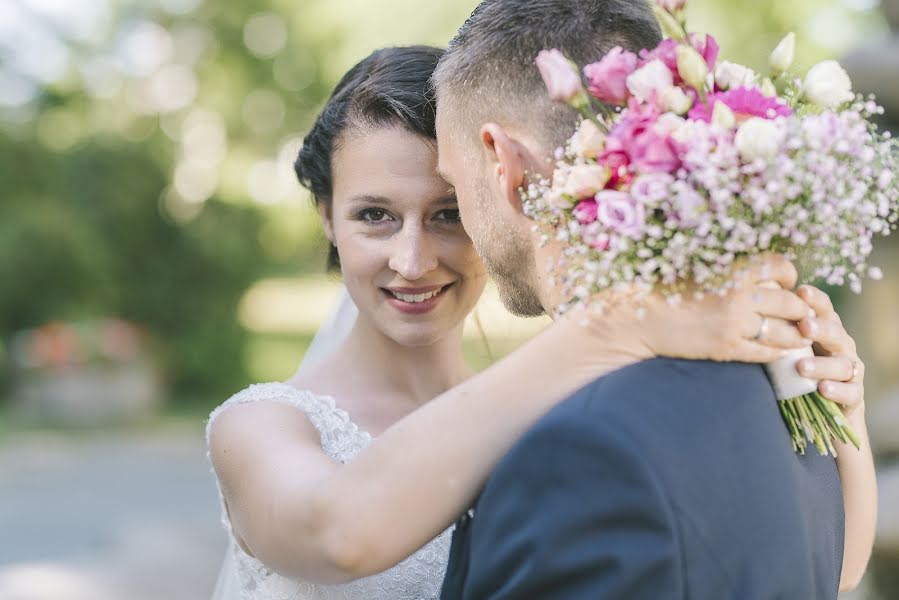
[666,479]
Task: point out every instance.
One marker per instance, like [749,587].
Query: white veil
[329,336]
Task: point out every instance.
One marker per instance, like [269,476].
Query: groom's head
[495,120]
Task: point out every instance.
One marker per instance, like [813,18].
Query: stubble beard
[508,256]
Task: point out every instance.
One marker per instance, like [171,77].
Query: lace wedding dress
[419,577]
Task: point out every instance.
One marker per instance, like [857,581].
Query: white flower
[589,141]
[676,100]
[730,75]
[670,124]
[828,85]
[692,66]
[654,76]
[767,88]
[723,116]
[758,139]
[781,58]
[584,181]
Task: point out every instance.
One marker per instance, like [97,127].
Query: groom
[666,479]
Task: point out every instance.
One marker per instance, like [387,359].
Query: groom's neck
[546,279]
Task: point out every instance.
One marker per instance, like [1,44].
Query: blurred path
[108,516]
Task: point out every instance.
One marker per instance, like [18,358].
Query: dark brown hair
[392,86]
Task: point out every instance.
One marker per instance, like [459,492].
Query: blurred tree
[146,148]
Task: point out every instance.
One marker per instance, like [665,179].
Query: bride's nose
[413,255]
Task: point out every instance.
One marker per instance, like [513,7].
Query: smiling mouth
[416,298]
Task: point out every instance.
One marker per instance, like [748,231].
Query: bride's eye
[374,215]
[449,215]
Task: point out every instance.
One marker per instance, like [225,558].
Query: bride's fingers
[778,333]
[773,267]
[850,395]
[819,301]
[778,303]
[833,368]
[829,335]
[749,351]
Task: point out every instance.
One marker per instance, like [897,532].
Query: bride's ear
[505,162]
[324,211]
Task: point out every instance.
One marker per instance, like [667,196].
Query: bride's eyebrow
[369,200]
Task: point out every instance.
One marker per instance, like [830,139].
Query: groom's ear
[505,162]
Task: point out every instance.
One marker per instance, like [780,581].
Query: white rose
[676,100]
[730,75]
[828,85]
[654,76]
[584,181]
[781,58]
[758,139]
[589,141]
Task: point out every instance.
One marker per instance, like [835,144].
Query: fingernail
[807,367]
[813,326]
[811,313]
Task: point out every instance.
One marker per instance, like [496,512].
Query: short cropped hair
[488,71]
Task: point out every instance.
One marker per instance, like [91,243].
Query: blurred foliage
[148,177]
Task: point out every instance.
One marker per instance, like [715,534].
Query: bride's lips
[415,308]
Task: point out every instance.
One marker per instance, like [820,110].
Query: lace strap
[322,411]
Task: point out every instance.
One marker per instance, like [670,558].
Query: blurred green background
[157,255]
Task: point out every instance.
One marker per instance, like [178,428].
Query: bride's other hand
[755,323]
[841,376]
[837,367]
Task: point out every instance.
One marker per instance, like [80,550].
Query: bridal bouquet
[684,165]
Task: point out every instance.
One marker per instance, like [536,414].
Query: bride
[343,481]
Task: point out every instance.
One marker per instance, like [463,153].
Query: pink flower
[619,212]
[585,212]
[617,162]
[744,102]
[562,80]
[648,146]
[672,5]
[608,77]
[652,188]
[707,47]
[666,52]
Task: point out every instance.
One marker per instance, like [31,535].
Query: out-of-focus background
[156,255]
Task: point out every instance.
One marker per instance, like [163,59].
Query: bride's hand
[837,367]
[754,323]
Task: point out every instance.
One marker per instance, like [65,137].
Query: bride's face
[406,260]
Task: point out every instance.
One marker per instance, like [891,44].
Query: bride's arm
[306,515]
[842,375]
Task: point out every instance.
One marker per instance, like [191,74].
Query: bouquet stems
[810,417]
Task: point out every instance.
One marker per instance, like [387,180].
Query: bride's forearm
[857,478]
[418,476]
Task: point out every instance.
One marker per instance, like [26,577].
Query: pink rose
[617,162]
[585,212]
[645,141]
[608,77]
[562,80]
[619,212]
